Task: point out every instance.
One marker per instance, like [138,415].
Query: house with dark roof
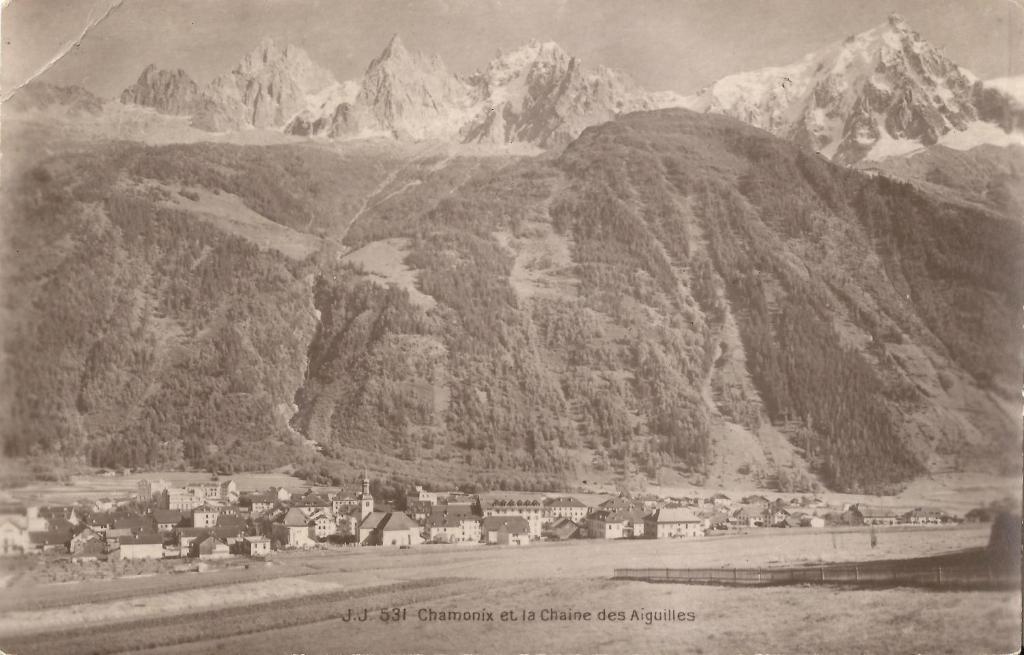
[505,530]
[419,510]
[49,541]
[622,504]
[634,523]
[750,516]
[447,527]
[721,500]
[254,546]
[795,520]
[674,522]
[562,529]
[127,526]
[85,535]
[205,516]
[389,529]
[850,516]
[186,536]
[229,491]
[89,551]
[209,547]
[259,503]
[292,530]
[344,503]
[777,516]
[312,502]
[322,524]
[230,533]
[566,507]
[61,524]
[100,521]
[167,519]
[606,524]
[924,516]
[715,519]
[231,521]
[531,509]
[876,515]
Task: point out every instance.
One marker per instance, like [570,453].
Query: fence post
[822,569]
[735,575]
[856,574]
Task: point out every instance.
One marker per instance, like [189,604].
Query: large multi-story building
[443,526]
[567,508]
[532,510]
[179,499]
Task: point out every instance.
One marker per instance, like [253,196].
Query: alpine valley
[803,277]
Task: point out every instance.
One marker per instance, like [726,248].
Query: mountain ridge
[880,93]
[883,92]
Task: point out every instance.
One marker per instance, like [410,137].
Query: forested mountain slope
[668,283]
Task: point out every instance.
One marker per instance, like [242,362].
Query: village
[213,520]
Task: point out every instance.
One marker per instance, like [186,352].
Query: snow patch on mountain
[1012,87]
[980,133]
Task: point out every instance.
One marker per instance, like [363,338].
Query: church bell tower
[365,499]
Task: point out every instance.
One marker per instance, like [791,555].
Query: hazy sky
[679,45]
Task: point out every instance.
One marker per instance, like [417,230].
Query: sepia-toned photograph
[337,327]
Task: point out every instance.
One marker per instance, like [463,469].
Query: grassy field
[300,603]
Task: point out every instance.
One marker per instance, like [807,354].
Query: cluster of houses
[209,520]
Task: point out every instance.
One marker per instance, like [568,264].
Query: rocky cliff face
[885,91]
[411,94]
[537,94]
[267,89]
[169,92]
[541,94]
[271,85]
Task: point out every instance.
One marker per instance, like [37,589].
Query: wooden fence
[874,574]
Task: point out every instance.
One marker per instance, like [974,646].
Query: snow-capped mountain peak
[880,92]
